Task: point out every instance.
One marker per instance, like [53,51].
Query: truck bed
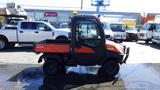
[52,46]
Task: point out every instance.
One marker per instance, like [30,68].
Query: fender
[110,55]
[3,37]
[45,56]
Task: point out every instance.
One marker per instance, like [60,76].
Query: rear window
[117,27]
[28,25]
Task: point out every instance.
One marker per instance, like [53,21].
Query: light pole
[81,4]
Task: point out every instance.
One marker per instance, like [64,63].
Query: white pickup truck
[30,32]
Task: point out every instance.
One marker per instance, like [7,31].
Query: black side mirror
[47,29]
[151,27]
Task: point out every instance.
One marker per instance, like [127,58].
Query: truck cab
[87,47]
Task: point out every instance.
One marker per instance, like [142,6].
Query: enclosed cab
[87,47]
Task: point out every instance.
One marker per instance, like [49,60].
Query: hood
[114,47]
[108,32]
[133,31]
[63,29]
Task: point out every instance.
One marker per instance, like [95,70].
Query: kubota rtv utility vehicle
[87,46]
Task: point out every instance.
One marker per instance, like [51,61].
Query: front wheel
[50,67]
[109,68]
[147,41]
[3,44]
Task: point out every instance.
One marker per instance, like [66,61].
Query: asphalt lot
[19,70]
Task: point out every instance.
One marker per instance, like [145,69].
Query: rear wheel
[11,45]
[50,67]
[109,68]
[62,37]
[147,41]
[3,44]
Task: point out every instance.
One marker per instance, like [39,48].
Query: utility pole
[81,4]
[100,3]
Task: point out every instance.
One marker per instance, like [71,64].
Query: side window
[42,26]
[88,32]
[28,25]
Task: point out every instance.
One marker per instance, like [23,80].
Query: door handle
[36,31]
[20,31]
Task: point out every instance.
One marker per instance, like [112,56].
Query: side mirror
[47,29]
[151,27]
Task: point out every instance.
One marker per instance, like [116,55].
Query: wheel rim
[2,44]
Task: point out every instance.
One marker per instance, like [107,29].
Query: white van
[118,29]
[146,34]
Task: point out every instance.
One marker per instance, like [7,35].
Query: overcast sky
[115,5]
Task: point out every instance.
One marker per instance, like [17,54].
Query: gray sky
[115,5]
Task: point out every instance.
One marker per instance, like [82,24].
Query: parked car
[30,32]
[107,30]
[132,33]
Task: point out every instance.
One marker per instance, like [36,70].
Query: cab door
[89,49]
[43,32]
[26,33]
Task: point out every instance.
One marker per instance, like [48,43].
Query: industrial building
[60,16]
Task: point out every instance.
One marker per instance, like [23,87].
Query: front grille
[107,36]
[141,34]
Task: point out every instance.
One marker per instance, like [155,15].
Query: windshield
[49,25]
[131,28]
[106,26]
[64,25]
[117,27]
[145,26]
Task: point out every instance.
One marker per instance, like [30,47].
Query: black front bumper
[126,55]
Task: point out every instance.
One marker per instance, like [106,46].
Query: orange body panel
[112,46]
[84,49]
[60,48]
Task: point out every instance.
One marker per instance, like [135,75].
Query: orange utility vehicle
[87,46]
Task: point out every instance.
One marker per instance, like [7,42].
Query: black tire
[136,40]
[50,67]
[147,41]
[3,43]
[11,45]
[109,68]
[154,43]
[62,37]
